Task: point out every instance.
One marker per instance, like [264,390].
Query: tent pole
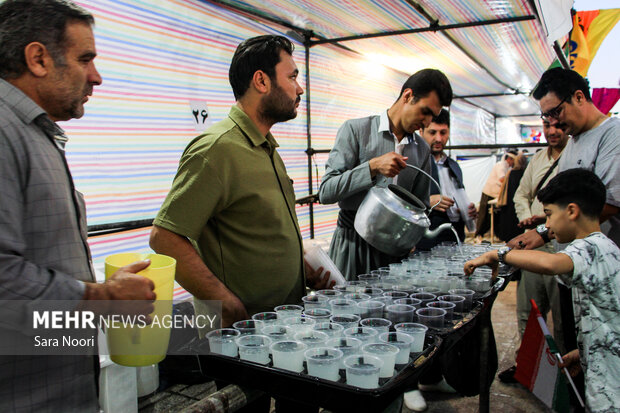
[307,37]
[561,56]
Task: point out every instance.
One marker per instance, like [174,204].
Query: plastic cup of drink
[289,355]
[400,313]
[347,345]
[254,348]
[386,301]
[371,309]
[373,292]
[369,278]
[346,320]
[288,310]
[458,300]
[357,297]
[222,341]
[431,317]
[394,295]
[363,370]
[424,297]
[315,301]
[405,288]
[479,284]
[329,328]
[318,314]
[443,283]
[467,293]
[268,318]
[449,307]
[364,334]
[329,293]
[312,338]
[401,340]
[428,289]
[247,327]
[276,333]
[381,325]
[323,362]
[343,306]
[298,324]
[416,331]
[386,353]
[409,301]
[355,286]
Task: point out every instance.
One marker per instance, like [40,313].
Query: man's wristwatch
[543,231]
[501,254]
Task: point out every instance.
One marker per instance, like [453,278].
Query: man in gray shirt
[46,75]
[375,151]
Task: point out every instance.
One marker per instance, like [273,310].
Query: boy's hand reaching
[488,258]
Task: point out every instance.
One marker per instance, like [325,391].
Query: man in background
[47,73]
[447,172]
[376,150]
[542,289]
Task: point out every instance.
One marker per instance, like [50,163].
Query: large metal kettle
[393,220]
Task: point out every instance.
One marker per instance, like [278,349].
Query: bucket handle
[432,179]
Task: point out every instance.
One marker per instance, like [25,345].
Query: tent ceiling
[485,59]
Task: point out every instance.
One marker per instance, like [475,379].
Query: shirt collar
[384,126]
[441,160]
[249,128]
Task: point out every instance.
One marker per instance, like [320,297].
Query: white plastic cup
[323,362]
[289,355]
[449,307]
[373,292]
[288,310]
[409,301]
[276,333]
[401,340]
[298,324]
[424,297]
[364,334]
[318,314]
[247,327]
[381,325]
[341,306]
[417,332]
[386,353]
[346,320]
[400,313]
[312,338]
[331,294]
[315,301]
[362,371]
[371,309]
[431,317]
[395,295]
[347,345]
[369,278]
[329,328]
[222,341]
[268,318]
[254,348]
[467,293]
[457,300]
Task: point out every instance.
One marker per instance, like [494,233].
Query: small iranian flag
[537,364]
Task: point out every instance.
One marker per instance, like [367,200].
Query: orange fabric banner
[589,31]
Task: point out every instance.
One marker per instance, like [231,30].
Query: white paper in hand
[316,257]
[462,203]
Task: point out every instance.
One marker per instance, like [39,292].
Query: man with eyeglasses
[565,102]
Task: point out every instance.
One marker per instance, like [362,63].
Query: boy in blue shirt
[590,265]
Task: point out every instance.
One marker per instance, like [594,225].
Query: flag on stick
[537,364]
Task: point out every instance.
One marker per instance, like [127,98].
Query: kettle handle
[432,179]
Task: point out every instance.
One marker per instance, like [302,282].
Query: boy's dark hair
[443,118]
[578,186]
[563,83]
[256,53]
[25,21]
[425,81]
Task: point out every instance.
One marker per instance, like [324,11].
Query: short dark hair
[257,53]
[443,118]
[425,81]
[25,21]
[563,83]
[578,186]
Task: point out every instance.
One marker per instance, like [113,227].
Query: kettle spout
[432,234]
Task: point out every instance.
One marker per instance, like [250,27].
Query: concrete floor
[504,398]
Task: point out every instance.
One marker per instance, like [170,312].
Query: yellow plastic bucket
[141,345]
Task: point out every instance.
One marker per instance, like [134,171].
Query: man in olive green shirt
[229,219]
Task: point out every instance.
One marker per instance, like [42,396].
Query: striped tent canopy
[489,47]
